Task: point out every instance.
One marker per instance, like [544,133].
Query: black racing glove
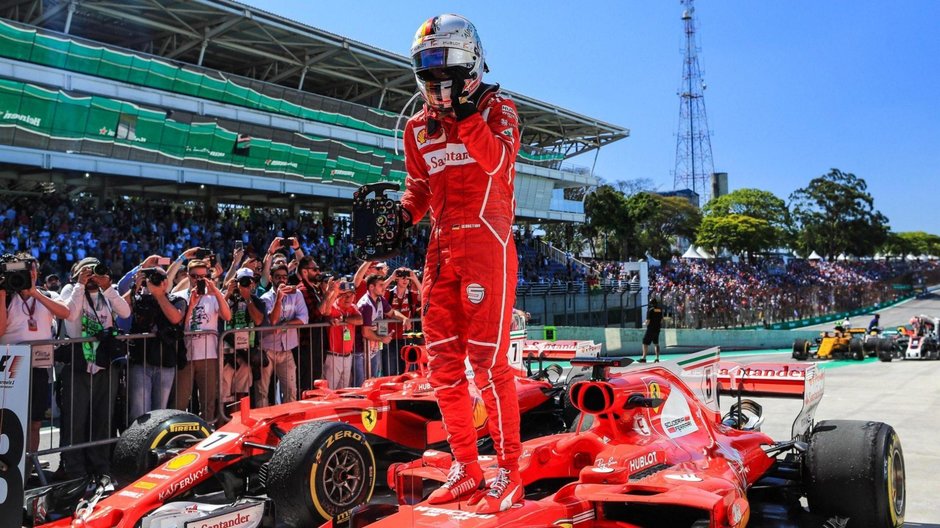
[463,106]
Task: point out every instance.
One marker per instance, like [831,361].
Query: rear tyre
[856,350]
[801,349]
[164,428]
[855,469]
[885,351]
[320,471]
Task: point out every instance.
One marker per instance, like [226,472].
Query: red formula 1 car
[659,453]
[309,460]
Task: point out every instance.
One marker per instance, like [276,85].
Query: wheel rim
[344,476]
[896,491]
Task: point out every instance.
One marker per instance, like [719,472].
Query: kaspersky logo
[9,367]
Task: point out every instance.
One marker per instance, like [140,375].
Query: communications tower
[694,164]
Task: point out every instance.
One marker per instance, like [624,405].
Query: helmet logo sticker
[475,293]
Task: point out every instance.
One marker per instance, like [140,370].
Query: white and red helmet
[445,47]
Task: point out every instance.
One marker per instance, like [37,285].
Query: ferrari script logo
[369,419]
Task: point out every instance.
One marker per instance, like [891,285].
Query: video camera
[15,273]
[154,276]
[377,224]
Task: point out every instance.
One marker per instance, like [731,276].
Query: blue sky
[794,88]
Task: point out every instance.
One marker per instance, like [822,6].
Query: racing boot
[462,481]
[504,491]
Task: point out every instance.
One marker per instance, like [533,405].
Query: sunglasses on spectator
[198,275]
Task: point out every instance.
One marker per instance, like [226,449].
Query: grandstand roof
[239,39]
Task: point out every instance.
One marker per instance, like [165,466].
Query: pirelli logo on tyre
[339,435]
[185,427]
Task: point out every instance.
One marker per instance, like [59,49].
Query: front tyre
[159,429]
[320,471]
[855,469]
[800,349]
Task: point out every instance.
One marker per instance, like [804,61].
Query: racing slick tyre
[856,349]
[320,471]
[855,470]
[159,429]
[570,414]
[885,352]
[801,349]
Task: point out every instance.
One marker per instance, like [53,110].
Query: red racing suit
[464,172]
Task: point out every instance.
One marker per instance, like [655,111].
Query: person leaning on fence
[205,305]
[374,332]
[27,315]
[152,361]
[312,340]
[344,317]
[285,306]
[89,384]
[404,296]
[241,348]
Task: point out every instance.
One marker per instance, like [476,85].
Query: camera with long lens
[154,276]
[101,269]
[15,274]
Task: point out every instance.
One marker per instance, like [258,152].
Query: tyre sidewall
[331,443]
[133,456]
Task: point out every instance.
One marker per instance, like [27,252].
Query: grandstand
[215,101]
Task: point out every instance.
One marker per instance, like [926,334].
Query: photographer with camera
[205,306]
[403,293]
[241,353]
[285,306]
[152,361]
[26,314]
[89,384]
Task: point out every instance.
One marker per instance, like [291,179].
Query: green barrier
[38,117]
[549,333]
[77,55]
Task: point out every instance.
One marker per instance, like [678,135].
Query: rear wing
[776,380]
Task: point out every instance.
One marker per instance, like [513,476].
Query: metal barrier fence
[724,310]
[82,405]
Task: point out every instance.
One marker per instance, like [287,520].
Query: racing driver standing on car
[460,152]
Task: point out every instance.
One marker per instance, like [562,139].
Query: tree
[657,222]
[739,234]
[607,220]
[911,242]
[744,221]
[835,214]
[637,185]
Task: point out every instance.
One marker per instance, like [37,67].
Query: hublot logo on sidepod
[643,461]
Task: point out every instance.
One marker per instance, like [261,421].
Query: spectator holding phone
[283,247]
[205,306]
[241,348]
[285,306]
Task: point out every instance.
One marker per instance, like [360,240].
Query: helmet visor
[442,58]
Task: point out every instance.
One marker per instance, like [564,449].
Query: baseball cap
[84,263]
[244,272]
[381,265]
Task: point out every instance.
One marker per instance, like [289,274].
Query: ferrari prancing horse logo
[369,419]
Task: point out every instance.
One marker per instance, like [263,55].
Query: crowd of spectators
[60,230]
[721,293]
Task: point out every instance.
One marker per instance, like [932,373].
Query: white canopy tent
[691,254]
[814,256]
